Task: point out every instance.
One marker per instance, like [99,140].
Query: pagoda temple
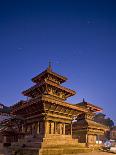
[48,117]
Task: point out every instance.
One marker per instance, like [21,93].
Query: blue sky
[78,36]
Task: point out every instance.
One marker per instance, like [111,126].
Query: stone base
[48,145]
[62,150]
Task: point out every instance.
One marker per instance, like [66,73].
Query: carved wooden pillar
[38,128]
[34,129]
[94,139]
[22,127]
[42,127]
[52,127]
[71,128]
[57,128]
[27,128]
[64,129]
[60,128]
[86,139]
[5,139]
[30,130]
[47,127]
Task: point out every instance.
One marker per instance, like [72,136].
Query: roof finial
[83,100]
[49,65]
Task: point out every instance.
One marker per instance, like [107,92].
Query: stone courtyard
[95,153]
[90,153]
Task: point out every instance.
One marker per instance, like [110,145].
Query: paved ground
[96,153]
[91,153]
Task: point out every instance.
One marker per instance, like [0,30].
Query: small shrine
[85,129]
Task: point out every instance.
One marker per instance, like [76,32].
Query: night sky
[78,36]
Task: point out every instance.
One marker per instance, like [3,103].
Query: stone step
[63,151]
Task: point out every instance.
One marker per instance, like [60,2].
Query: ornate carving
[55,92]
[53,79]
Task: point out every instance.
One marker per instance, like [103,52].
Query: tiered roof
[47,95]
[86,124]
[49,82]
[89,106]
[26,104]
[49,72]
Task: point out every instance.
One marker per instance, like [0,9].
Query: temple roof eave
[65,104]
[90,124]
[93,107]
[47,71]
[29,91]
[45,98]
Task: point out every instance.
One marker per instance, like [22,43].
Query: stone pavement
[90,153]
[95,153]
